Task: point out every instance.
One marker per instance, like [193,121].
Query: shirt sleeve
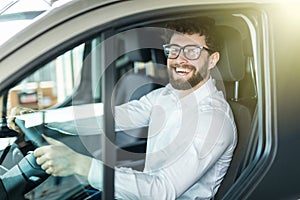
[134,114]
[213,143]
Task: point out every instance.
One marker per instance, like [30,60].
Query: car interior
[140,68]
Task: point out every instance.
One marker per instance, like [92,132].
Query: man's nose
[181,58]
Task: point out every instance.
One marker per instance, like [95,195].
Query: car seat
[228,74]
[142,46]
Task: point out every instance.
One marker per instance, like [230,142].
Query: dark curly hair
[201,25]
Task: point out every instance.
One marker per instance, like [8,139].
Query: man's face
[185,74]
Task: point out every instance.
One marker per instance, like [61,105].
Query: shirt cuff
[95,177]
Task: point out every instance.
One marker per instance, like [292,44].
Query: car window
[54,91]
[66,96]
[51,84]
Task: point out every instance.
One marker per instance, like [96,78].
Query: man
[192,134]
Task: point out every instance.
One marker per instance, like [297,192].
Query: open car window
[51,91]
[66,91]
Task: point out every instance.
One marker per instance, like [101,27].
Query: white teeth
[182,70]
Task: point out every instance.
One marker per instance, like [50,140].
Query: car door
[100,48]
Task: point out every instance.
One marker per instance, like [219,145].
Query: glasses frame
[184,52]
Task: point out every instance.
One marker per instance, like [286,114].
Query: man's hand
[16,111]
[58,159]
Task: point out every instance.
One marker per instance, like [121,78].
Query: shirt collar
[205,90]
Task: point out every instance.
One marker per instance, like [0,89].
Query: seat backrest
[231,70]
[141,46]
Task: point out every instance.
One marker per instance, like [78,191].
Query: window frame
[267,133]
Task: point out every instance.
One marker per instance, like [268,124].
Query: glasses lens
[171,51]
[192,52]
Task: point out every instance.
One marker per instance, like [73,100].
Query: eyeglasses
[191,52]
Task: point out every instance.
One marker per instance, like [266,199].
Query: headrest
[140,42]
[231,64]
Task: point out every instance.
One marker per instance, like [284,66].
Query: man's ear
[213,59]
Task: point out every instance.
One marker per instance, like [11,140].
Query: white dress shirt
[190,145]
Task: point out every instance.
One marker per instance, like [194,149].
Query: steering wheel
[27,174]
[32,134]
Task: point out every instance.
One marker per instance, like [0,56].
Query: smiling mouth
[182,71]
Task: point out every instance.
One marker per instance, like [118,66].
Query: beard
[195,79]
